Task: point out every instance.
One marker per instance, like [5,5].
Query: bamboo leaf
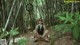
[61,18]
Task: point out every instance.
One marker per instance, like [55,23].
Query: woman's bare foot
[35,39]
[46,39]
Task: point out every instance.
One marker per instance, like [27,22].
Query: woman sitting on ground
[40,31]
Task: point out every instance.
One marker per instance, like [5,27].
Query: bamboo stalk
[9,16]
[17,14]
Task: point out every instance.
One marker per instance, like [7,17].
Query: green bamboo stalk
[9,16]
[17,14]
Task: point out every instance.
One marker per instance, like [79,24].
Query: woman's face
[40,22]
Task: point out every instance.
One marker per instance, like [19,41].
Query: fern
[73,26]
[14,32]
[22,41]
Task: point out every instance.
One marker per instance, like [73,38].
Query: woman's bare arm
[44,27]
[36,27]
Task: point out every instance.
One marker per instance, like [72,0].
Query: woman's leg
[45,35]
[36,35]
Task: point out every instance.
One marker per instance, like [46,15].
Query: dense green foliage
[3,34]
[14,32]
[70,22]
[22,41]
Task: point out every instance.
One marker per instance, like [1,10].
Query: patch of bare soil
[64,41]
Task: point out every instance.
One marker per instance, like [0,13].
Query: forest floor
[29,35]
[60,41]
[30,38]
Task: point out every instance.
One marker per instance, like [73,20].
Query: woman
[40,31]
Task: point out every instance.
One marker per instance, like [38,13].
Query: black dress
[40,31]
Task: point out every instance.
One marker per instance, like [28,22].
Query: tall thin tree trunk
[72,8]
[9,15]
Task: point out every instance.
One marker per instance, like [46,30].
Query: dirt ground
[60,41]
[30,37]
